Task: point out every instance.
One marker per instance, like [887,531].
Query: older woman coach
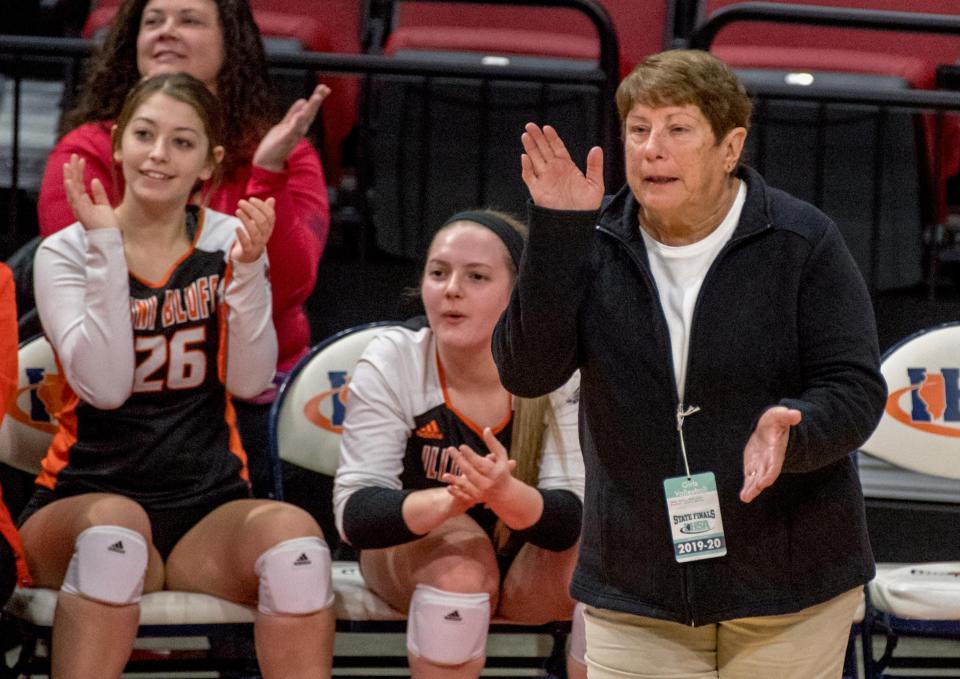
[729,366]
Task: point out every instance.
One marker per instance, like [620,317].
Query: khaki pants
[809,644]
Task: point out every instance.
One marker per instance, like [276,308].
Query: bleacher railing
[817,15]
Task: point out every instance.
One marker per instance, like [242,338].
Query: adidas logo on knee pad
[108,565]
[297,586]
[430,634]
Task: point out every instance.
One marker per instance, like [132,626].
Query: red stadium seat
[934,49]
[493,40]
[641,29]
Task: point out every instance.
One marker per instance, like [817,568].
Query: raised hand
[552,177]
[96,213]
[482,478]
[279,141]
[766,449]
[258,218]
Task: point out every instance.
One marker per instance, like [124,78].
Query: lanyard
[682,413]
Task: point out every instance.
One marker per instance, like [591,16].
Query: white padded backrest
[920,427]
[28,427]
[311,404]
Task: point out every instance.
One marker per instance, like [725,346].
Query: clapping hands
[277,144]
[483,479]
[258,218]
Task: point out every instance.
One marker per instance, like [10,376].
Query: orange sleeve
[8,389]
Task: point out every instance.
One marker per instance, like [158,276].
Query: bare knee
[114,510]
[471,567]
[466,576]
[276,522]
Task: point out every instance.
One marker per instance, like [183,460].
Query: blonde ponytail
[532,417]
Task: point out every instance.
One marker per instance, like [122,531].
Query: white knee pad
[447,628]
[108,565]
[578,635]
[295,577]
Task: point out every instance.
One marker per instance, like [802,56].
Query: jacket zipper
[732,243]
[688,609]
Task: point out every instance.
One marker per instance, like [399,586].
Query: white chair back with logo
[919,431]
[307,416]
[920,427]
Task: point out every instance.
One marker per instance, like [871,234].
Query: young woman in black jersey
[463,500]
[159,313]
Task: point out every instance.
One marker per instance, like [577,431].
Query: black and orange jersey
[426,458]
[145,410]
[399,423]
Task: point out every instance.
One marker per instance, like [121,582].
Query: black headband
[510,236]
